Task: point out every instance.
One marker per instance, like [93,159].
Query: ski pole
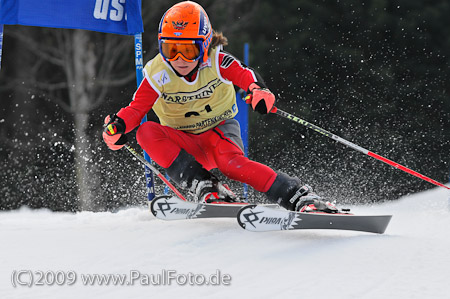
[354,146]
[111,131]
[155,170]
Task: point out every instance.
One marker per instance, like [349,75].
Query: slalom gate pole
[1,44]
[354,146]
[155,170]
[139,62]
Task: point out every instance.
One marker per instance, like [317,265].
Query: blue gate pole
[242,117]
[1,43]
[246,54]
[149,177]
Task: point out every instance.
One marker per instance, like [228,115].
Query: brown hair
[217,39]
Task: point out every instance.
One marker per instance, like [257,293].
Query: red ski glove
[261,99]
[113,133]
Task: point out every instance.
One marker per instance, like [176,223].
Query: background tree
[75,69]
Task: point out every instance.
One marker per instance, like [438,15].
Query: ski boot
[204,186]
[289,193]
[312,203]
[213,191]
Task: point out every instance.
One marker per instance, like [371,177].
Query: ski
[173,208]
[259,218]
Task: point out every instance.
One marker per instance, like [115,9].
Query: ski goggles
[188,50]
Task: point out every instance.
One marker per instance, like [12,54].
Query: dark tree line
[374,72]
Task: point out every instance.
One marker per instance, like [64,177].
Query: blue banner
[112,16]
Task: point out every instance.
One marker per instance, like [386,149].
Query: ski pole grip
[111,130]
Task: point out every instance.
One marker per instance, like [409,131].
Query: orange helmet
[185,22]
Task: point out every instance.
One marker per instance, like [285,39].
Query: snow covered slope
[412,260]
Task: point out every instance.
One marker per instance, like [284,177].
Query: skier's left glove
[261,99]
[114,132]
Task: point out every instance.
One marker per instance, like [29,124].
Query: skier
[189,85]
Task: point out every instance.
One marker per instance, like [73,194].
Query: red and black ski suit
[218,147]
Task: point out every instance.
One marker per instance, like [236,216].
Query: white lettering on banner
[115,9]
[117,14]
[101,9]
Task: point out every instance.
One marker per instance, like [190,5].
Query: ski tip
[153,203]
[244,216]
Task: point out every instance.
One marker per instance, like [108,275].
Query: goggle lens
[171,50]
